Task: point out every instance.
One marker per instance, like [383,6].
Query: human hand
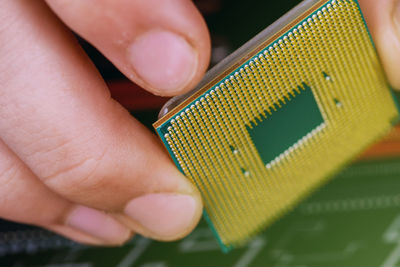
[72,160]
[383,19]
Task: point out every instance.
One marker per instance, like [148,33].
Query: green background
[352,221]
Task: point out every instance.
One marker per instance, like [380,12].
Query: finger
[24,199]
[163,46]
[58,117]
[383,18]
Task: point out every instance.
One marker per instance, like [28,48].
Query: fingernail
[163,60]
[164,215]
[97,224]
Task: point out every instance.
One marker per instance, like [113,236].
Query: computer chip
[278,117]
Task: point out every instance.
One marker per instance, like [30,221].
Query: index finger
[163,46]
[383,19]
[57,116]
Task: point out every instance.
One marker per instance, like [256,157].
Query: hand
[72,160]
[383,19]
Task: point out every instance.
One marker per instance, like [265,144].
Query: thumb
[383,19]
[163,46]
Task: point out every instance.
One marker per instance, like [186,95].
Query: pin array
[331,52]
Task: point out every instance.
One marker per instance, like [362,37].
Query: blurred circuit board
[353,221]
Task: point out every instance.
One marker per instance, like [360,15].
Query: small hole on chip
[234,150]
[338,103]
[245,172]
[327,77]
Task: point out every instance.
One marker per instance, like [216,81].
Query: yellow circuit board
[280,120]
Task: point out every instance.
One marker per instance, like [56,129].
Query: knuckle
[72,167]
[79,173]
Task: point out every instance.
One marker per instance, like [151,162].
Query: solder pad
[276,120]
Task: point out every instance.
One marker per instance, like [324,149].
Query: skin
[72,160]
